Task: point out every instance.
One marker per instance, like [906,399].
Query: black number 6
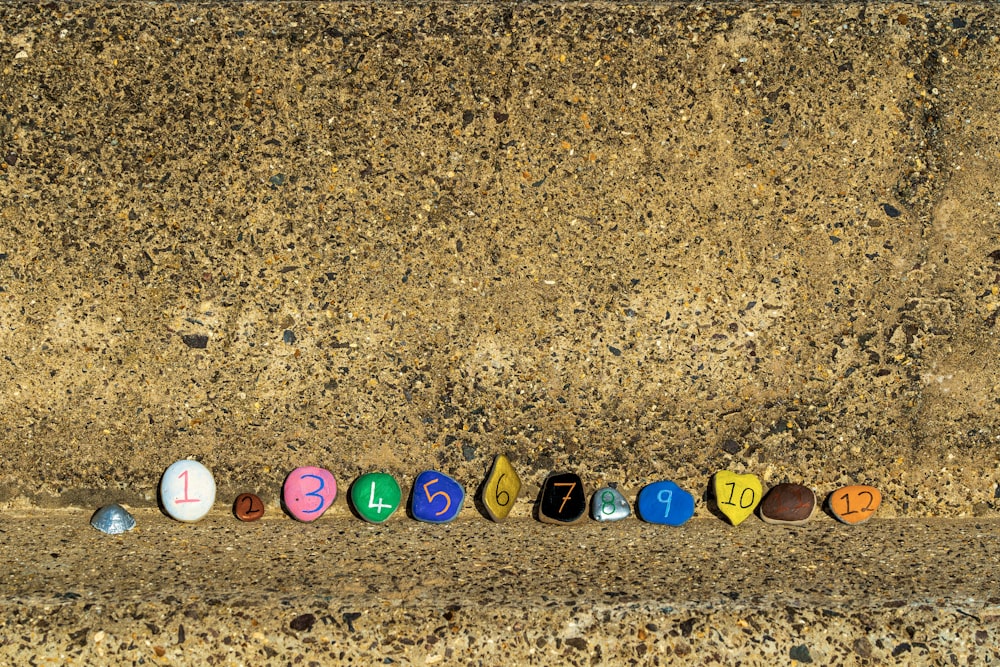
[506,500]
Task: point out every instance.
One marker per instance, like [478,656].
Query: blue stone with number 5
[664,502]
[437,498]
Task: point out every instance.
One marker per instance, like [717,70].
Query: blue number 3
[316,494]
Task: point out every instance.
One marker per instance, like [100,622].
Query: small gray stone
[800,653]
[195,341]
[608,504]
[113,520]
[730,446]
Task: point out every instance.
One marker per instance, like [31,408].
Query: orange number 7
[571,485]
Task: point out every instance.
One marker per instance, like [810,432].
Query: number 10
[732,491]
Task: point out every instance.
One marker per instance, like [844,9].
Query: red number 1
[185,499]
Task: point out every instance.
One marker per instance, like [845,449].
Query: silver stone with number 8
[608,504]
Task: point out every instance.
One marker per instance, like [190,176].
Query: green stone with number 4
[375,496]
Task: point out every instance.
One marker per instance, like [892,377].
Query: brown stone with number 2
[248,507]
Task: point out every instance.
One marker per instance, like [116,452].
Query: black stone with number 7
[563,499]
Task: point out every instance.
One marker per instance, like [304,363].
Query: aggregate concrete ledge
[275,592]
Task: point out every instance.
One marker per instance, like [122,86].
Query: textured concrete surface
[632,241]
[902,591]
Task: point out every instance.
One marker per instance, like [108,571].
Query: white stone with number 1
[187,490]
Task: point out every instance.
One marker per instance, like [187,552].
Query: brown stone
[248,507]
[789,504]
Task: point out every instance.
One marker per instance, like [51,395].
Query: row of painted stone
[187,492]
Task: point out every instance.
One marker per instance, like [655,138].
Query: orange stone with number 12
[854,504]
[500,489]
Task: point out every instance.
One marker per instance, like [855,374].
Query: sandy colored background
[632,241]
[635,242]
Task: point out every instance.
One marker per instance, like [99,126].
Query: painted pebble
[854,504]
[788,504]
[375,496]
[608,504]
[437,498]
[664,503]
[736,495]
[500,489]
[563,499]
[248,507]
[187,490]
[308,492]
[113,520]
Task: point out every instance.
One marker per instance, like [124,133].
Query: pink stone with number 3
[187,490]
[308,492]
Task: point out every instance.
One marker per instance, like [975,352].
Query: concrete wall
[633,241]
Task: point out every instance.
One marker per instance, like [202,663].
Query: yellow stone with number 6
[736,495]
[500,489]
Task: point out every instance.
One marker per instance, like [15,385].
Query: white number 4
[378,507]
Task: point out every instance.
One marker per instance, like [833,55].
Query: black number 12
[867,508]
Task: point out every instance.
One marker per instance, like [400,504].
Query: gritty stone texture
[224,592]
[632,241]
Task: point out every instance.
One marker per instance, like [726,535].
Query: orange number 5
[432,496]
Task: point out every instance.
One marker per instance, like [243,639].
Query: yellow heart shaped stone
[736,495]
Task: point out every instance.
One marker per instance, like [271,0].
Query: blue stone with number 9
[437,498]
[664,502]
